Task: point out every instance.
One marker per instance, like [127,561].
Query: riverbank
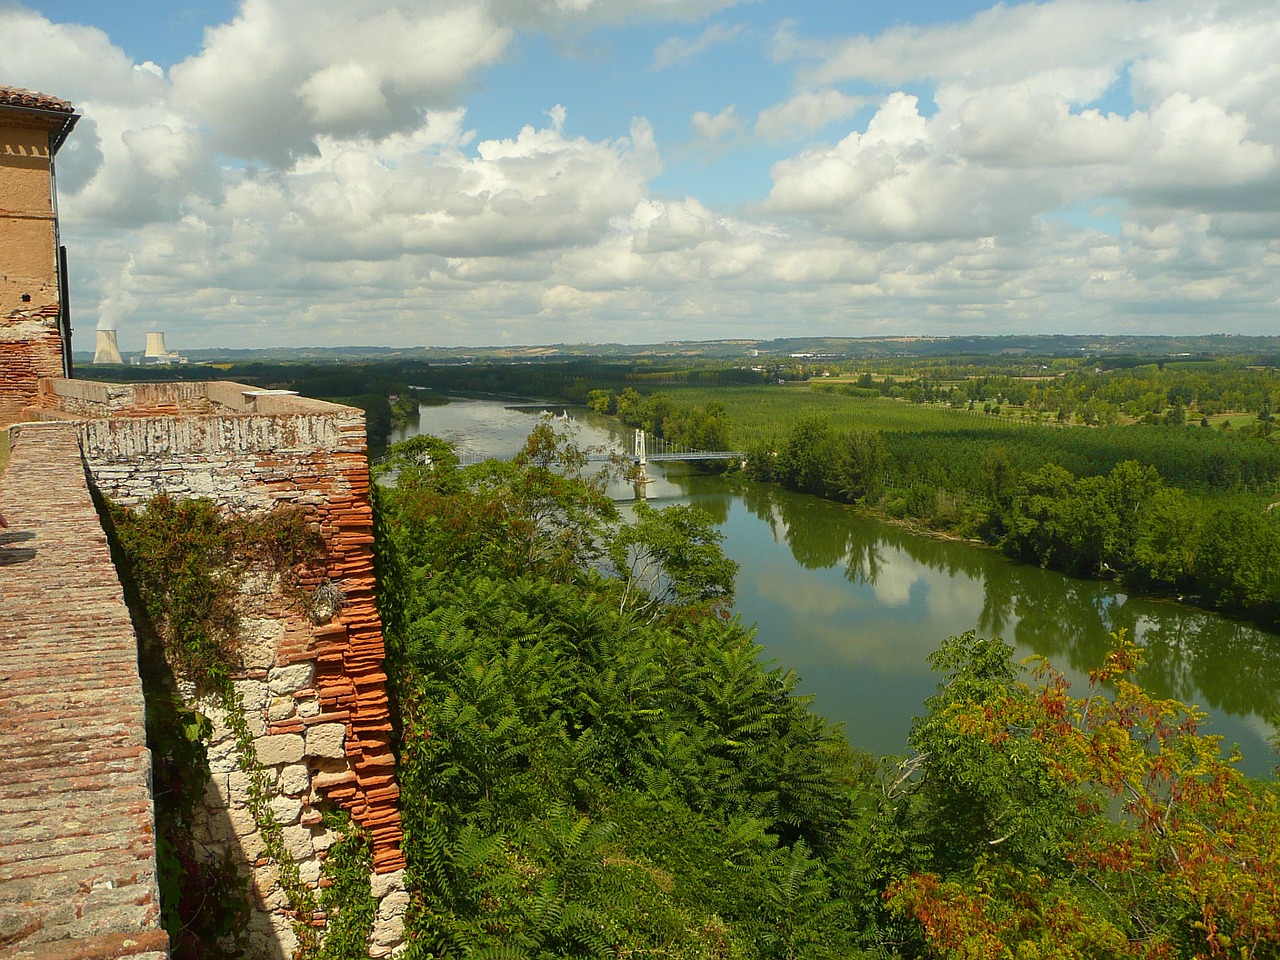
[856,604]
[1168,510]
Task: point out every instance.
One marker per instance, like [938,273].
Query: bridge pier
[641,457]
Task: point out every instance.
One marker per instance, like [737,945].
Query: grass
[1237,420]
[936,443]
[757,413]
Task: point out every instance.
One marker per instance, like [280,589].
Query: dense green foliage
[592,764]
[1039,824]
[945,446]
[1168,508]
[587,775]
[696,426]
[1221,548]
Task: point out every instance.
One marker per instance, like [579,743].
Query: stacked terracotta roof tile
[18,97]
[348,653]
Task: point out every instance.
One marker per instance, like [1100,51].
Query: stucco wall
[30,346]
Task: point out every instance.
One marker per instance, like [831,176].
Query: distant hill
[1214,345]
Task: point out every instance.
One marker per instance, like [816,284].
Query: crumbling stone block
[327,740]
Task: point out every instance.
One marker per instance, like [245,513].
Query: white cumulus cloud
[805,113]
[676,50]
[284,73]
[719,126]
[310,175]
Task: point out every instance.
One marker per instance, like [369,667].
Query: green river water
[855,606]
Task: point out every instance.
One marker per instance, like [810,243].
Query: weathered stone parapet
[312,684]
[95,400]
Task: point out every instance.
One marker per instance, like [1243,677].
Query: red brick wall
[77,828]
[30,348]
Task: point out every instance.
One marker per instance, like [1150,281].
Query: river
[855,606]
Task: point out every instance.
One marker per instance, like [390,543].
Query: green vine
[204,900]
[182,561]
[347,901]
[186,558]
[302,901]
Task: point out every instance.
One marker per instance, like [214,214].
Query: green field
[759,413]
[948,446]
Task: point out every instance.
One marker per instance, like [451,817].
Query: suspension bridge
[644,450]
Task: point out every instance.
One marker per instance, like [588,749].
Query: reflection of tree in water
[704,491]
[819,533]
[1233,665]
[1221,665]
[998,598]
[1068,621]
[758,499]
[945,556]
[863,557]
[1171,647]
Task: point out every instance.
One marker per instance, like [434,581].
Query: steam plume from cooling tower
[108,350]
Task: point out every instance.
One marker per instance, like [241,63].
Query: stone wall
[312,682]
[89,399]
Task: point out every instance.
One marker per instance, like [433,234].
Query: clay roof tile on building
[18,97]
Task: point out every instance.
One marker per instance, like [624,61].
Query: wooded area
[592,771]
[1167,502]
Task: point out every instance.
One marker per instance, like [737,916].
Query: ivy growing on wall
[348,894]
[181,562]
[186,558]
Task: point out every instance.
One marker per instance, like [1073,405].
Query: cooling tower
[155,347]
[108,351]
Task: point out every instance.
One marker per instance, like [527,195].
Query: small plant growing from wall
[326,601]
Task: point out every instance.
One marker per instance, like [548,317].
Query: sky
[252,173]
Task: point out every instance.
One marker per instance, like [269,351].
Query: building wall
[30,345]
[312,681]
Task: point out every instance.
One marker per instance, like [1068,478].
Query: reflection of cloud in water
[807,598]
[955,599]
[826,622]
[781,530]
[895,577]
[1258,725]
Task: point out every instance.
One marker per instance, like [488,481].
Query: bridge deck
[698,455]
[468,459]
[77,838]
